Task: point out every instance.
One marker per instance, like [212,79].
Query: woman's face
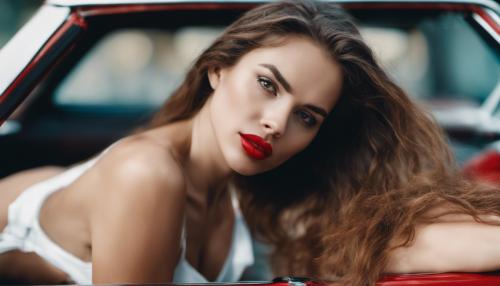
[270,105]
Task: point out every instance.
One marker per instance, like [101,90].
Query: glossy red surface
[445,279]
[135,8]
[485,167]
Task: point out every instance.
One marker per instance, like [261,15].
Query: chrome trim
[20,50]
[487,27]
[491,103]
[10,127]
[69,3]
[493,15]
[489,123]
[296,283]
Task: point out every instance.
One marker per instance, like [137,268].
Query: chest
[64,222]
[208,241]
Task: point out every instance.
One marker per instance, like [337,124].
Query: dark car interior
[56,134]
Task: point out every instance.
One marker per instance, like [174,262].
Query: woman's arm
[136,225]
[457,245]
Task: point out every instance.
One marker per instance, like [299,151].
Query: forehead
[314,76]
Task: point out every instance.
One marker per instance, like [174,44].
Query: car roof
[79,3]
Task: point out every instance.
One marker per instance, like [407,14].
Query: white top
[240,255]
[23,232]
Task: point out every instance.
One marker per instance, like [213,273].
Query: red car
[485,166]
[81,74]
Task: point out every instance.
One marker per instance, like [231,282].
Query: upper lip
[258,142]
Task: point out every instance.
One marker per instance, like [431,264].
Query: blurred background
[440,60]
[13,14]
[461,67]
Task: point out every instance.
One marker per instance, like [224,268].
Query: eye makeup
[306,118]
[267,84]
[279,77]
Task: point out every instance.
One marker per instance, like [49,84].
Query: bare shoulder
[136,175]
[139,212]
[138,164]
[144,156]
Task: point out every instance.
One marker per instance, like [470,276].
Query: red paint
[73,19]
[443,279]
[137,8]
[485,167]
[77,18]
[410,6]
[488,19]
[255,146]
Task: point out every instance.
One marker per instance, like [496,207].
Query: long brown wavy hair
[377,168]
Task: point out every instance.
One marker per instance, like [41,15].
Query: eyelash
[271,87]
[305,117]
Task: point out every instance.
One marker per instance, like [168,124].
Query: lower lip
[252,151]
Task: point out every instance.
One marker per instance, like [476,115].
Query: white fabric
[240,254]
[23,232]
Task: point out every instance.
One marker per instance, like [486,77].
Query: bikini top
[24,232]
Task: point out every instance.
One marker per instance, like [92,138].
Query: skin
[125,214]
[455,243]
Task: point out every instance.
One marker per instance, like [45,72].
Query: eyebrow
[278,76]
[317,110]
[288,88]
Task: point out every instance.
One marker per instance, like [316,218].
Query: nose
[272,129]
[274,121]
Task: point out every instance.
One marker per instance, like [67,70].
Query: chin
[250,167]
[245,166]
[247,173]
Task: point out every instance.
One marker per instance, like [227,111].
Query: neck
[206,167]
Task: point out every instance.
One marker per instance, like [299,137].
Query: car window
[439,59]
[134,67]
[496,113]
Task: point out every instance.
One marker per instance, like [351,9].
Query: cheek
[231,106]
[295,144]
[239,97]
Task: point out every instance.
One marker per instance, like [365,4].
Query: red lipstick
[255,146]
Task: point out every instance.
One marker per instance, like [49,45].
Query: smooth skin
[456,243]
[126,213]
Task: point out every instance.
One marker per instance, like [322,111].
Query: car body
[485,166]
[55,69]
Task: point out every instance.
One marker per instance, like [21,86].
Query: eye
[267,84]
[306,118]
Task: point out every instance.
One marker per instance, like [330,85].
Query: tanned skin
[127,212]
[136,191]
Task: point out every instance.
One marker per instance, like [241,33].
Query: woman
[334,166]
